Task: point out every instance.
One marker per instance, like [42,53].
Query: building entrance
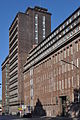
[63,105]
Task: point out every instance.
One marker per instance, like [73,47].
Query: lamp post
[70,63]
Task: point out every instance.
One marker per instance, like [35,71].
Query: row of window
[14,28]
[13,81]
[53,47]
[13,88]
[57,70]
[14,46]
[13,40]
[36,28]
[57,85]
[13,96]
[11,37]
[44,27]
[56,38]
[15,66]
[14,53]
[13,25]
[60,29]
[14,74]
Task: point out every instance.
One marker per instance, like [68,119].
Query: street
[8,117]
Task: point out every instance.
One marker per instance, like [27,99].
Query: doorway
[63,105]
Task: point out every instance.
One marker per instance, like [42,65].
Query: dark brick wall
[5,75]
[46,73]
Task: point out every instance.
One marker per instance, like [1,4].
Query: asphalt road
[7,117]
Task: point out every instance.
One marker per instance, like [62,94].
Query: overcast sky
[60,10]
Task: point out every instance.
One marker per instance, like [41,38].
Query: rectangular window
[66,83]
[59,70]
[31,71]
[72,97]
[68,67]
[65,67]
[69,82]
[43,27]
[72,64]
[71,50]
[64,53]
[54,86]
[72,82]
[59,56]
[77,47]
[36,28]
[78,80]
[77,62]
[56,59]
[59,85]
[62,84]
[68,51]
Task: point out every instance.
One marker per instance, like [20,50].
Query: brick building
[5,85]
[26,31]
[52,69]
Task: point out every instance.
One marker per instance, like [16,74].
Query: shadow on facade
[72,109]
[38,110]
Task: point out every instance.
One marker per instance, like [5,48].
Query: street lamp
[69,63]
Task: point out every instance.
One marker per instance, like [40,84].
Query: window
[56,58]
[65,67]
[68,67]
[72,97]
[59,85]
[36,28]
[43,27]
[72,82]
[77,47]
[62,68]
[75,15]
[59,56]
[59,70]
[72,64]
[69,82]
[64,53]
[62,84]
[54,86]
[66,83]
[78,80]
[78,13]
[71,50]
[68,51]
[31,72]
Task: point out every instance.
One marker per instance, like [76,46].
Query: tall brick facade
[5,85]
[52,69]
[26,31]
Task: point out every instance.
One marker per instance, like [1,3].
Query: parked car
[27,115]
